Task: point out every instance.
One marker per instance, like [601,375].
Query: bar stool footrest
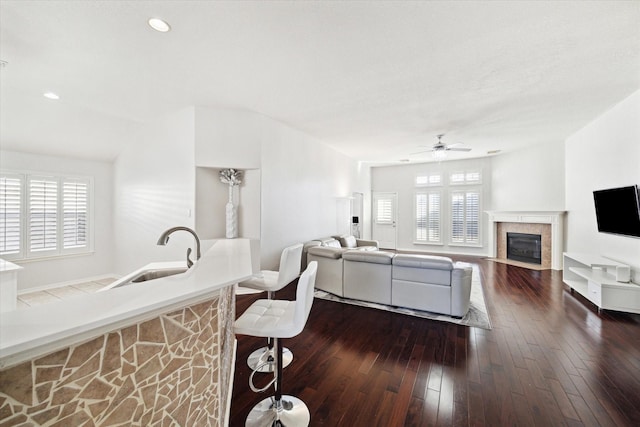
[265,414]
[261,355]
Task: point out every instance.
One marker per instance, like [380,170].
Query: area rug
[477,316]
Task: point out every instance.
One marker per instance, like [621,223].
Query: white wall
[304,188]
[604,154]
[530,179]
[401,180]
[154,189]
[303,183]
[46,272]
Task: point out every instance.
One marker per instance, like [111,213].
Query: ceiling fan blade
[449,148]
[420,152]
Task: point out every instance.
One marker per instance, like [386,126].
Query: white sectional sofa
[421,282]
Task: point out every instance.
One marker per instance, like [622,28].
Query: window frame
[416,240]
[428,175]
[26,252]
[465,192]
[465,180]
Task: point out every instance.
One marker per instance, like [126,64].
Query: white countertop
[8,266]
[34,331]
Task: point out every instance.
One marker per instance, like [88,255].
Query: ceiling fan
[439,149]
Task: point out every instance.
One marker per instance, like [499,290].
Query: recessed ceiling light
[159,25]
[405,160]
[51,95]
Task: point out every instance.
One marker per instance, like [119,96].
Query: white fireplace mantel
[554,218]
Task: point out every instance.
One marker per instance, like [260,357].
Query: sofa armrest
[362,242]
[326,251]
[460,289]
[305,249]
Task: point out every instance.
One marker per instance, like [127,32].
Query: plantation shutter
[10,212]
[465,217]
[434,218]
[457,217]
[421,217]
[428,217]
[473,217]
[384,211]
[75,204]
[43,214]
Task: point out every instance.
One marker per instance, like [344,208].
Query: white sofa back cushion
[331,243]
[348,242]
[423,268]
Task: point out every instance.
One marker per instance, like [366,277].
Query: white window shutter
[465,217]
[384,211]
[43,214]
[421,217]
[457,217]
[75,209]
[472,217]
[428,211]
[10,214]
[434,217]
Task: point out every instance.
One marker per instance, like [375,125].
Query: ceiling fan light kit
[439,149]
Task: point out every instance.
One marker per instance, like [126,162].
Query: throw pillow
[348,242]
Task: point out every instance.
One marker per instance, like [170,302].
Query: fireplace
[524,247]
[548,224]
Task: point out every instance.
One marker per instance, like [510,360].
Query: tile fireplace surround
[549,224]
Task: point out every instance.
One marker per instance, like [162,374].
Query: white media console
[596,278]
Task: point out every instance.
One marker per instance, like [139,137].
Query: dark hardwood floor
[549,360]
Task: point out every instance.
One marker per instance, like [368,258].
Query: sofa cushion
[348,242]
[433,270]
[326,251]
[332,243]
[374,257]
[423,261]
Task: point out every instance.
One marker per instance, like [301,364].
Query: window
[384,211]
[10,214]
[44,215]
[75,212]
[465,217]
[465,177]
[432,179]
[428,228]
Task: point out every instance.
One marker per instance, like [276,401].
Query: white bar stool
[279,319]
[262,359]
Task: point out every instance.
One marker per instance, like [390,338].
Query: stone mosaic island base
[173,369]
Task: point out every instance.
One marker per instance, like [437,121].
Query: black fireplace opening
[524,247]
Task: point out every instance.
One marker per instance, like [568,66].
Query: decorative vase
[231,177]
[232,217]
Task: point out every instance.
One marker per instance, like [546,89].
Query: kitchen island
[155,352]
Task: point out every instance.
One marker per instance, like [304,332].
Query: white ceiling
[375,80]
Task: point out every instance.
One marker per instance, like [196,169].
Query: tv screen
[618,210]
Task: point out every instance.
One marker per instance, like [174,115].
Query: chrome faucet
[164,238]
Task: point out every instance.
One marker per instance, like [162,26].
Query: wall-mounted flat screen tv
[618,210]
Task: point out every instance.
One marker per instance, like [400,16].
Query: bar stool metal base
[257,360]
[294,413]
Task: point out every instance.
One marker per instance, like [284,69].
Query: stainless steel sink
[156,274]
[147,275]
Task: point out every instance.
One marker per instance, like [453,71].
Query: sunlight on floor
[56,294]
